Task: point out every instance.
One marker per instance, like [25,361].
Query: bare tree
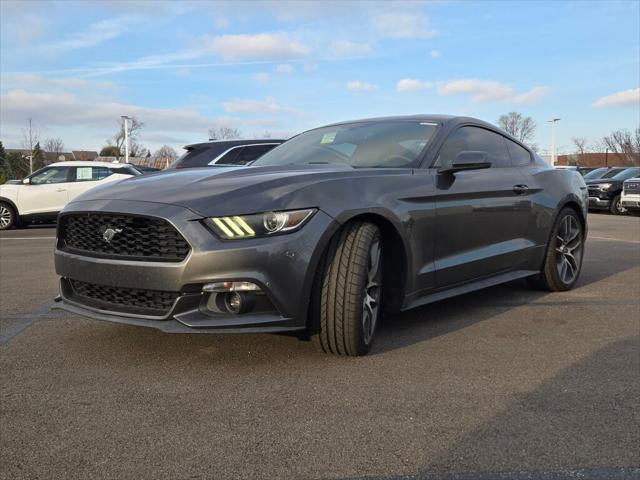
[164,156]
[30,138]
[521,127]
[134,126]
[55,146]
[224,133]
[625,143]
[580,143]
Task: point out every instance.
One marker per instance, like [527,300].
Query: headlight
[260,224]
[604,186]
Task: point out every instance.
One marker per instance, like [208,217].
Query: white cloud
[268,105]
[94,34]
[285,69]
[345,48]
[403,25]
[412,85]
[490,91]
[262,77]
[358,86]
[262,46]
[22,80]
[619,99]
[435,54]
[531,96]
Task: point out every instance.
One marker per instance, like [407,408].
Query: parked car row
[605,187]
[41,195]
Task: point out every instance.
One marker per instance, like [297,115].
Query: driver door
[46,192]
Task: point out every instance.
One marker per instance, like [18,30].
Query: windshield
[612,173]
[626,174]
[597,173]
[361,145]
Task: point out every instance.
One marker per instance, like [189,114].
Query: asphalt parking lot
[502,383]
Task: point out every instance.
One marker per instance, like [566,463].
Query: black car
[224,153]
[324,232]
[605,192]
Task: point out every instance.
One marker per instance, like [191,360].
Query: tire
[565,251]
[7,216]
[348,294]
[616,206]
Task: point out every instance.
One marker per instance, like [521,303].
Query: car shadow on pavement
[584,416]
[446,316]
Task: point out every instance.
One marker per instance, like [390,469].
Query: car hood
[241,190]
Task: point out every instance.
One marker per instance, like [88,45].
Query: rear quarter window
[519,156]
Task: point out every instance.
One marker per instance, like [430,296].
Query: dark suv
[605,192]
[224,153]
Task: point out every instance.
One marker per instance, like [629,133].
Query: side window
[249,154]
[51,175]
[228,158]
[91,174]
[519,156]
[475,139]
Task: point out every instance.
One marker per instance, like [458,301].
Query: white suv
[630,199]
[45,192]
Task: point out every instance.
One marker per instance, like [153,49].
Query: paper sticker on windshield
[328,137]
[83,173]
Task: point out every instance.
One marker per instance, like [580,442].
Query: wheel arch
[12,205]
[396,260]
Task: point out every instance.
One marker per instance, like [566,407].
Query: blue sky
[283,67]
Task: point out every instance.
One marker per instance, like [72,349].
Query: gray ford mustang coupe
[324,233]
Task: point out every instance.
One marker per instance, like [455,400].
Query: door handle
[520,189]
[61,190]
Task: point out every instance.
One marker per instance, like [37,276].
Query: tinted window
[198,157]
[91,174]
[612,173]
[627,174]
[360,145]
[519,156]
[474,139]
[50,175]
[228,158]
[249,154]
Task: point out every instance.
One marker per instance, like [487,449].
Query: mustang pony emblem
[109,233]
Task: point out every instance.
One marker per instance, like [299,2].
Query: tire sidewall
[12,221]
[551,269]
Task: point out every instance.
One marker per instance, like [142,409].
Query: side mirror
[467,160]
[26,181]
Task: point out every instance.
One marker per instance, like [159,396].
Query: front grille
[632,187]
[122,236]
[125,300]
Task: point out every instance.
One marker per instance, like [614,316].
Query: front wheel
[349,296]
[616,207]
[563,260]
[7,216]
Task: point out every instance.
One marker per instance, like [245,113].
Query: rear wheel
[563,260]
[349,296]
[7,216]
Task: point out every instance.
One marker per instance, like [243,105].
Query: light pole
[125,119]
[553,140]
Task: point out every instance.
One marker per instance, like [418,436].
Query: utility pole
[554,157]
[126,138]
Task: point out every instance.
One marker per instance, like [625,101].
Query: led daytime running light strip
[234,227]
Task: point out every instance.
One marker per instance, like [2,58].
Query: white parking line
[27,238]
[610,238]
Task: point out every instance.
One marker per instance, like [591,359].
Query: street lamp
[553,140]
[125,119]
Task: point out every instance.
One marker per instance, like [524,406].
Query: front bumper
[282,266]
[596,202]
[631,202]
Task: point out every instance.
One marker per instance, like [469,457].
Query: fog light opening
[237,303]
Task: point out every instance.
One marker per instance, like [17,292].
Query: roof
[436,118]
[235,143]
[87,163]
